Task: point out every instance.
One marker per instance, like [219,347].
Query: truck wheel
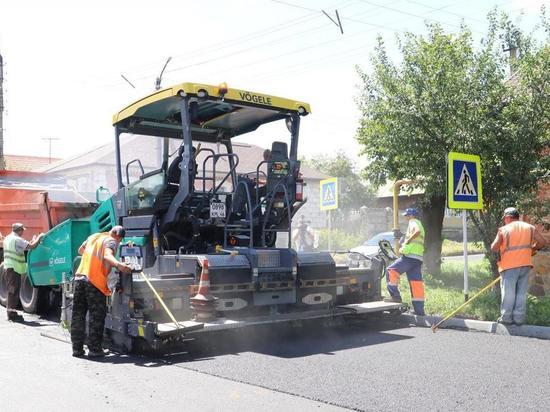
[33,299]
[3,287]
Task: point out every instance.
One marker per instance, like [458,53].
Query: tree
[517,160]
[353,192]
[446,96]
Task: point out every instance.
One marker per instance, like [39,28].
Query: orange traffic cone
[203,303]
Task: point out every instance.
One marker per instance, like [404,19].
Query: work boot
[393,299]
[503,321]
[78,353]
[15,317]
[97,353]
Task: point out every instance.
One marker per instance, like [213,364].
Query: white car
[370,249]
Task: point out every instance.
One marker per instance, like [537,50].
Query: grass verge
[452,248]
[445,293]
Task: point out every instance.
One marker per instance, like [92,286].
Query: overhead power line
[234,53]
[286,3]
[147,69]
[441,10]
[273,29]
[423,17]
[319,44]
[248,37]
[346,55]
[246,49]
[340,56]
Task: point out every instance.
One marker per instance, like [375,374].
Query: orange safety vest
[92,265]
[516,245]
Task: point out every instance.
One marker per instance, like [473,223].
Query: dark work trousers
[88,299]
[13,283]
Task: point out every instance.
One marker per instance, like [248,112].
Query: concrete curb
[530,331]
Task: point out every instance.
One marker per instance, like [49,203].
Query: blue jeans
[513,288]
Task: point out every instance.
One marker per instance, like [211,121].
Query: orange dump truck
[39,201]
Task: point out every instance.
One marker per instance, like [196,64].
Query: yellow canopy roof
[235,111]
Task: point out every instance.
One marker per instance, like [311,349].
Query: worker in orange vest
[98,258]
[515,241]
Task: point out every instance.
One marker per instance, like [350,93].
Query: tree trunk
[433,212]
[487,226]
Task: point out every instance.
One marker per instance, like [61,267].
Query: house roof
[26,163]
[102,155]
[249,158]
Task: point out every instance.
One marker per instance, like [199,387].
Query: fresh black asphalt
[365,366]
[372,366]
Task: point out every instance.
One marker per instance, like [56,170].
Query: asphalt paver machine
[201,229]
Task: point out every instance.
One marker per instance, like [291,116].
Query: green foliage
[538,311]
[452,248]
[452,275]
[446,95]
[411,111]
[340,240]
[485,307]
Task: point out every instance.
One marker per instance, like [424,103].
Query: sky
[64,61]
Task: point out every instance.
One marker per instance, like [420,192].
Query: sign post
[464,192]
[328,197]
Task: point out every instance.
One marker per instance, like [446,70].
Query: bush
[538,311]
[485,307]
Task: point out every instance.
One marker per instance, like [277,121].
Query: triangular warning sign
[465,186]
[329,194]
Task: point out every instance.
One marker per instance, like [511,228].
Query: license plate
[217,210]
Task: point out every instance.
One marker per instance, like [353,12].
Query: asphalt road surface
[363,366]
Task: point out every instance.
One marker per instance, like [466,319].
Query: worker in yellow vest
[515,241]
[15,265]
[98,258]
[412,251]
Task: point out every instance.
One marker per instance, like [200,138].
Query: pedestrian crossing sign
[464,181]
[329,193]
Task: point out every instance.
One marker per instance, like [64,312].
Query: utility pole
[512,41]
[2,161]
[50,142]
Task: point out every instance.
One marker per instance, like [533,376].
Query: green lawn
[452,248]
[445,293]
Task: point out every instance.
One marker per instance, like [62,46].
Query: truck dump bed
[39,201]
